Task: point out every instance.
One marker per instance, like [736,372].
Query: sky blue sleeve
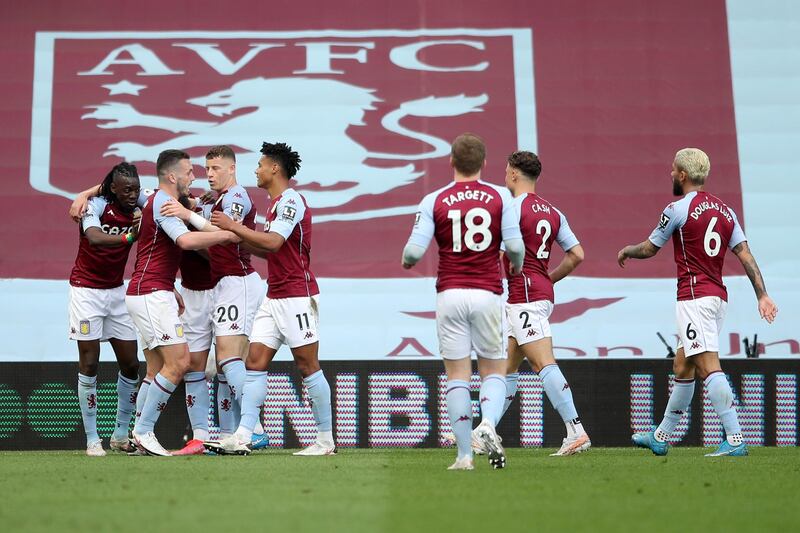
[565,238]
[424,226]
[172,226]
[509,225]
[94,210]
[144,194]
[738,236]
[288,214]
[672,218]
[236,203]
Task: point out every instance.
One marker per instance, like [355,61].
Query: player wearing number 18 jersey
[702,227]
[469,219]
[530,295]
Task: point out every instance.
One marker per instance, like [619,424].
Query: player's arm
[197,240]
[672,218]
[738,244]
[96,237]
[643,250]
[512,236]
[257,242]
[421,235]
[198,221]
[572,258]
[81,201]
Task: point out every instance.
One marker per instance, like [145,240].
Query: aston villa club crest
[350,102]
[85,327]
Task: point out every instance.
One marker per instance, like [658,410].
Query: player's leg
[679,401]
[455,344]
[153,364]
[87,307]
[197,330]
[119,329]
[721,396]
[89,357]
[127,382]
[515,358]
[156,318]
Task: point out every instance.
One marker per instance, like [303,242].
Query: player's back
[540,223]
[702,228]
[157,255]
[467,219]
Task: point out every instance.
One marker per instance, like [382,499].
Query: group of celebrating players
[484,233]
[211,242]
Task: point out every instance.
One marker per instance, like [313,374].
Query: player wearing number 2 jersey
[530,295]
[702,227]
[469,219]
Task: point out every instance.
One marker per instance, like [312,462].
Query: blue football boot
[648,440]
[259,442]
[726,448]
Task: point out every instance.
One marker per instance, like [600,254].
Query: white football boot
[477,443]
[229,445]
[463,463]
[318,448]
[492,444]
[572,445]
[95,449]
[148,443]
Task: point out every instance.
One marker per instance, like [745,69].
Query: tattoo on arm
[643,250]
[742,251]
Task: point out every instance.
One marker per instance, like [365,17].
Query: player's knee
[683,369]
[307,367]
[130,369]
[88,368]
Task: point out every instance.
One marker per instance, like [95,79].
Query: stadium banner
[403,405]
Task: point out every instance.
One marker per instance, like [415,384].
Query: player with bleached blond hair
[702,227]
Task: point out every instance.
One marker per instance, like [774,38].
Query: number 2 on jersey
[544,229]
[473,229]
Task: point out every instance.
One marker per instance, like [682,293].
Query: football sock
[87,396]
[253,396]
[721,396]
[197,403]
[126,404]
[141,397]
[459,408]
[512,381]
[560,395]
[235,374]
[228,421]
[319,393]
[157,396]
[258,429]
[492,395]
[679,402]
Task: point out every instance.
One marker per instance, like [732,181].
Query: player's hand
[137,221]
[406,266]
[78,207]
[233,238]
[179,299]
[222,221]
[512,270]
[767,308]
[622,256]
[208,197]
[175,209]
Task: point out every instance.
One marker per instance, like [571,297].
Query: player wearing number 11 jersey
[469,219]
[702,227]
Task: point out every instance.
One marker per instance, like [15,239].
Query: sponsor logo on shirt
[288,213]
[663,222]
[237,211]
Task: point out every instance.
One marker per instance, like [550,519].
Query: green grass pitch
[611,489]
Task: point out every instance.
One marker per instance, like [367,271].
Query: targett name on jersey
[460,196]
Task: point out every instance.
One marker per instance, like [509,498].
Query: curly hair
[282,153]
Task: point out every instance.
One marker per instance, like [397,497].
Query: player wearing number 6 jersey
[530,295]
[702,227]
[469,219]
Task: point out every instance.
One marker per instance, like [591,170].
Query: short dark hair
[222,150]
[282,153]
[526,162]
[168,159]
[124,169]
[468,153]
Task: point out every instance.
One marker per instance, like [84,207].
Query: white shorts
[467,320]
[699,324]
[236,300]
[99,314]
[528,322]
[197,325]
[290,321]
[156,318]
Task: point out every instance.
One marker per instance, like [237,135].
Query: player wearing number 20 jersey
[469,218]
[702,228]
